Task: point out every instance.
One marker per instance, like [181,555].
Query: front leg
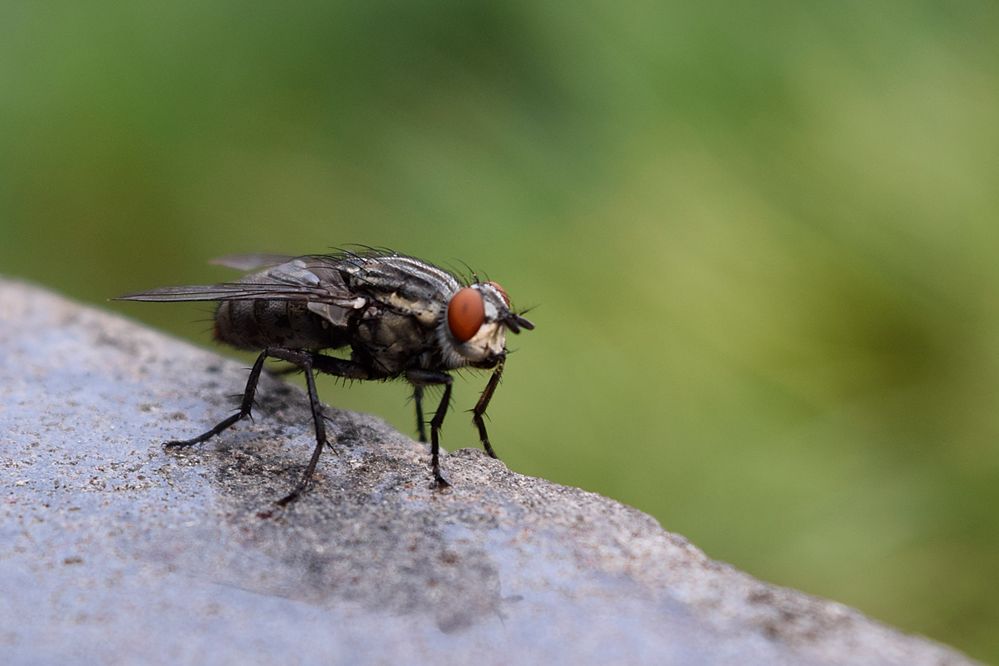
[419,379]
[479,411]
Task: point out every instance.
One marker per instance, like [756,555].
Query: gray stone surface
[114,551]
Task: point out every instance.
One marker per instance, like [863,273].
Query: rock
[115,551]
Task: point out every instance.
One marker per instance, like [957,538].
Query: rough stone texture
[115,551]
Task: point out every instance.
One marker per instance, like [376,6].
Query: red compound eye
[465,314]
[501,290]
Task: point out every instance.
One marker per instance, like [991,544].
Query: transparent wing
[251,262]
[234,291]
[300,279]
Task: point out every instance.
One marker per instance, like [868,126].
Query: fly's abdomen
[258,324]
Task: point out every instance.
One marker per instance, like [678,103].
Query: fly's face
[473,332]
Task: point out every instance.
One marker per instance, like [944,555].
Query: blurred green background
[762,239]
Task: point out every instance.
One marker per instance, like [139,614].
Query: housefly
[400,317]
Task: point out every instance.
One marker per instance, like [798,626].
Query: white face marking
[490,340]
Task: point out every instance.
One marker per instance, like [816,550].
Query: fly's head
[473,330]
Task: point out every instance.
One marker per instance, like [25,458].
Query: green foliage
[762,239]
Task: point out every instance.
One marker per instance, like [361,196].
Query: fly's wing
[251,262]
[318,284]
[230,291]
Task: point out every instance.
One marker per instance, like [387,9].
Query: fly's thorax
[392,341]
[473,328]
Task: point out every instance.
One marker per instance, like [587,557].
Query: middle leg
[309,361]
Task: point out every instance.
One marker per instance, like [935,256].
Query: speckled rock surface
[115,551]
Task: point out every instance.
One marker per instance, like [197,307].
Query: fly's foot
[292,496]
[181,443]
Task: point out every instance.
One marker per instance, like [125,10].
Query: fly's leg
[309,361]
[435,428]
[421,426]
[479,411]
[421,378]
[244,409]
[320,426]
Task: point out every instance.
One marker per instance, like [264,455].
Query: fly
[401,317]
